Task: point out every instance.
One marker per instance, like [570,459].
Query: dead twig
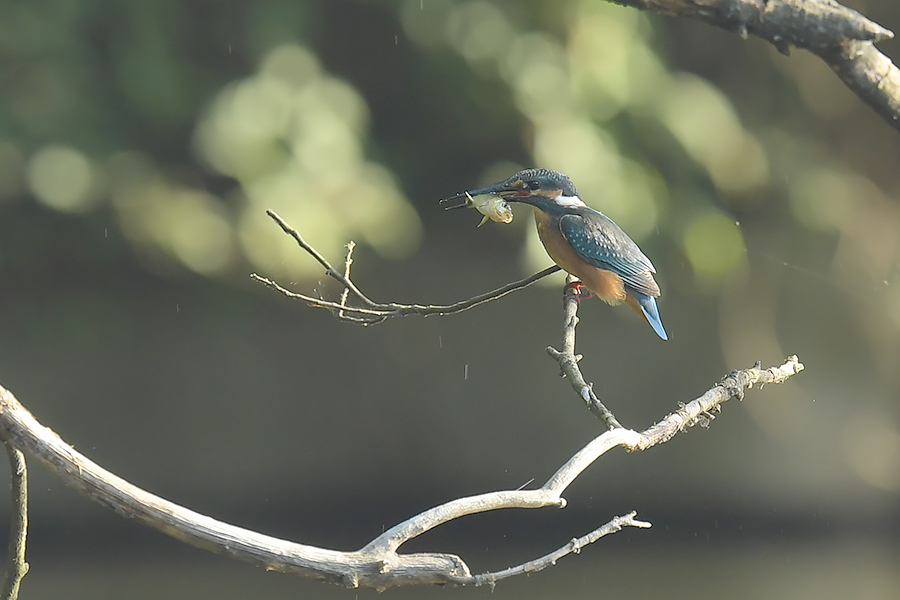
[376,312]
[568,363]
[16,567]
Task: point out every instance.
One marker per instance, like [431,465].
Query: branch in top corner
[840,36]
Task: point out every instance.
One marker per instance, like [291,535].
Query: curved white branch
[376,565]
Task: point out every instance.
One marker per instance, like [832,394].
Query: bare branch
[348,262]
[376,312]
[329,270]
[16,567]
[348,568]
[731,386]
[376,565]
[615,525]
[870,74]
[568,362]
[840,36]
[697,411]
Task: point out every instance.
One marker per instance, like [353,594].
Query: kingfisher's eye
[532,186]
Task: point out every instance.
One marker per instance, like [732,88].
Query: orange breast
[605,284]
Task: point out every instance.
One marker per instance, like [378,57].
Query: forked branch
[568,362]
[378,564]
[372,312]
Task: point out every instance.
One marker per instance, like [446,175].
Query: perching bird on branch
[581,240]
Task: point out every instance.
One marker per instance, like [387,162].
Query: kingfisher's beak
[503,189]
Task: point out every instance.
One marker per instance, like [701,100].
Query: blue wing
[599,241]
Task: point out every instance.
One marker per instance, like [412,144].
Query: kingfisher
[581,240]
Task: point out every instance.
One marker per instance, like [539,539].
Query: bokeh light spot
[292,64]
[714,245]
[62,178]
[703,120]
[305,159]
[823,198]
[478,31]
[200,232]
[190,225]
[599,46]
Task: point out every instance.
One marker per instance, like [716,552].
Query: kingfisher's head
[543,188]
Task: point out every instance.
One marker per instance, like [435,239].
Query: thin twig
[16,567]
[732,385]
[348,262]
[615,525]
[329,270]
[568,363]
[377,315]
[378,312]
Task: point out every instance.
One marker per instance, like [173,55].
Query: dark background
[140,144]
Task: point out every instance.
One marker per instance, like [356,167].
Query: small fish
[492,207]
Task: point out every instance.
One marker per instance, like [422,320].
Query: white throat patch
[569,201]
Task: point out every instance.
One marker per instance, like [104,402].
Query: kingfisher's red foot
[577,290]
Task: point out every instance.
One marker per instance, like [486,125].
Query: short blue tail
[648,307]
